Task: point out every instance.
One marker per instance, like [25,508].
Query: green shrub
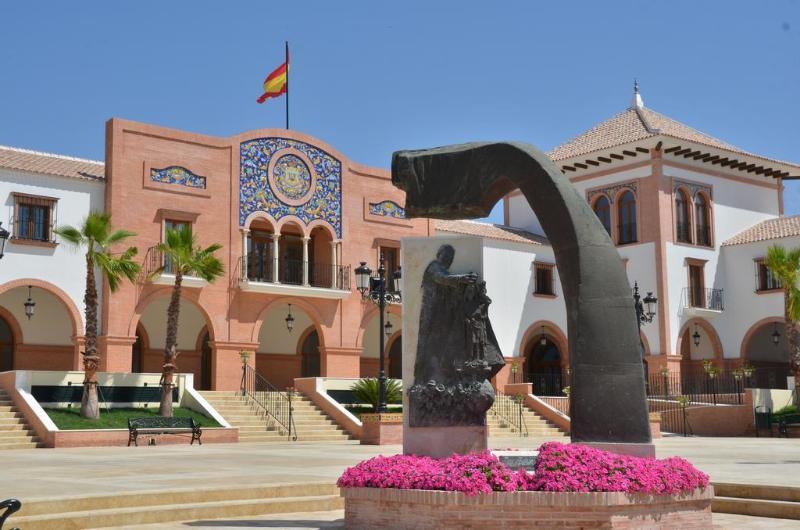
[367,391]
[788,409]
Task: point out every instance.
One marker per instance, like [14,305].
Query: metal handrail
[705,298]
[274,403]
[510,408]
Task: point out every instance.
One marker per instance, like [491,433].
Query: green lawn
[70,418]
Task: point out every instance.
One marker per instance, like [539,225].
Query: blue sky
[373,77]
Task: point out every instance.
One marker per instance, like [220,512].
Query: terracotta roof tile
[769,229]
[636,124]
[491,231]
[50,164]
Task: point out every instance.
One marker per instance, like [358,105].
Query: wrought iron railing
[703,235]
[155,260]
[270,401]
[683,232]
[712,299]
[671,394]
[509,409]
[548,383]
[261,268]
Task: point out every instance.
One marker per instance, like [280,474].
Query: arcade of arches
[46,341]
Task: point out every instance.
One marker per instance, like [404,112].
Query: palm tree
[785,265]
[97,237]
[182,257]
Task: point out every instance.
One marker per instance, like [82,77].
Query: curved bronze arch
[465,181]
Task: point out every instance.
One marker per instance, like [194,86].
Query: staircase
[185,504]
[14,430]
[310,423]
[759,500]
[537,426]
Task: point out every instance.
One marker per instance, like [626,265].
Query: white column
[334,268]
[245,233]
[305,260]
[275,239]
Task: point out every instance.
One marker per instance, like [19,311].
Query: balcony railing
[711,299]
[261,268]
[683,232]
[703,234]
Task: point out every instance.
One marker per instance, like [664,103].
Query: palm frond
[118,236]
[70,234]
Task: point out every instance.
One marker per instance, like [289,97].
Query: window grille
[34,217]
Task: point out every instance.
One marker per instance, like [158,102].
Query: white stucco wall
[190,323]
[370,341]
[62,265]
[275,338]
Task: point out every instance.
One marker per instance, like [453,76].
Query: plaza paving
[48,473]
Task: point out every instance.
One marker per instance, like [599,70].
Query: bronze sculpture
[465,181]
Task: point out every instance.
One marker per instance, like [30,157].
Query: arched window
[682,232]
[627,218]
[602,208]
[702,224]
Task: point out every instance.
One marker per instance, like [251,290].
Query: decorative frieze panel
[611,191]
[693,187]
[179,176]
[387,209]
[283,177]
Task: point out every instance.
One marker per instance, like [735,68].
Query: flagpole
[287,84]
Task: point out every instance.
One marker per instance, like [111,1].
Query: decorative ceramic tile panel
[387,209]
[178,175]
[693,187]
[318,187]
[611,191]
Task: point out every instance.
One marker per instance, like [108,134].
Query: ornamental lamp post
[645,312]
[289,320]
[776,336]
[373,288]
[387,328]
[3,238]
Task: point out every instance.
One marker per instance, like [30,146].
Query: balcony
[702,302]
[263,274]
[157,269]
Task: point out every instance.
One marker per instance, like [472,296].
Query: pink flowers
[560,467]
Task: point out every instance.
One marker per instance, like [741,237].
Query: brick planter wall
[119,437]
[417,509]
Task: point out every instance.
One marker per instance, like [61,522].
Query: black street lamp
[776,336]
[645,312]
[373,288]
[388,328]
[289,320]
[696,336]
[29,304]
[3,238]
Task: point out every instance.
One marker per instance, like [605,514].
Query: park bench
[161,425]
[785,421]
[10,506]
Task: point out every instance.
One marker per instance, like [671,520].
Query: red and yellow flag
[276,83]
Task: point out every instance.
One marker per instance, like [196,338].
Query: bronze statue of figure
[457,353]
[465,181]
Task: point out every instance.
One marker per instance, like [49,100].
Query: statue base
[440,442]
[631,449]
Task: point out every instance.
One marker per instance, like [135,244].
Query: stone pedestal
[381,429]
[440,442]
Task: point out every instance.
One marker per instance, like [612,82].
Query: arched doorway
[205,362]
[137,351]
[543,367]
[396,359]
[309,352]
[766,349]
[6,346]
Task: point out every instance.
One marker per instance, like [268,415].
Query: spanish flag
[276,83]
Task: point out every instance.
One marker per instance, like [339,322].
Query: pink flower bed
[559,467]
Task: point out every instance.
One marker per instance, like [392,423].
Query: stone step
[22,433]
[178,512]
[11,414]
[128,499]
[18,445]
[756,507]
